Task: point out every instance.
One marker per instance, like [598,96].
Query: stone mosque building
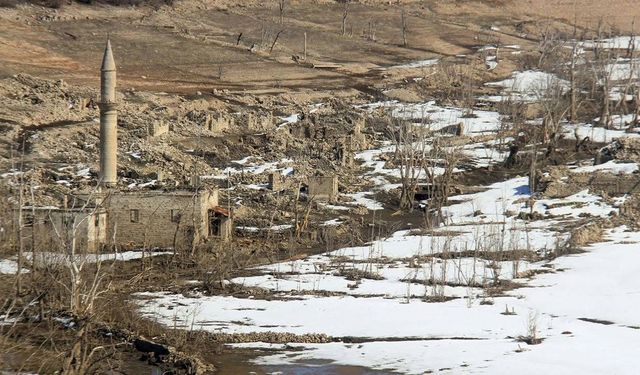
[180,219]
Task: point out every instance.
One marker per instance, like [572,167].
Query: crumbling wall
[560,182]
[157,128]
[630,211]
[260,121]
[218,122]
[278,182]
[624,149]
[323,188]
[357,139]
[54,227]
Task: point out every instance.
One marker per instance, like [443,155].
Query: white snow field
[527,86]
[421,301]
[581,306]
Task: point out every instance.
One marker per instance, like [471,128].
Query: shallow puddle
[240,364]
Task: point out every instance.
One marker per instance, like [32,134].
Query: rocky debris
[164,356]
[607,152]
[354,274]
[31,101]
[555,184]
[630,211]
[167,356]
[623,149]
[560,182]
[586,234]
[62,130]
[60,139]
[272,337]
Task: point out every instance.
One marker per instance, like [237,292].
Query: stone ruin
[323,188]
[624,149]
[278,182]
[260,121]
[218,123]
[560,182]
[157,128]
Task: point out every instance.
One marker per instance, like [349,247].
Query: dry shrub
[630,211]
[214,263]
[561,183]
[452,82]
[585,235]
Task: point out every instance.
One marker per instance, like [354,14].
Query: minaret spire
[108,120]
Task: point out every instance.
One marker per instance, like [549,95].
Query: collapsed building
[111,217]
[559,181]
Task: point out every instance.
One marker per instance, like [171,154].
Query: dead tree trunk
[275,40]
[404,28]
[281,8]
[345,15]
[21,223]
[573,77]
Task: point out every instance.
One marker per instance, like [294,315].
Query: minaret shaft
[108,86]
[108,121]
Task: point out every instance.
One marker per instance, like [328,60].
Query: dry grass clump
[586,234]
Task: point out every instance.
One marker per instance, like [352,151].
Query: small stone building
[177,220]
[165,219]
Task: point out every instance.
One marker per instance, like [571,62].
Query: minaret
[108,120]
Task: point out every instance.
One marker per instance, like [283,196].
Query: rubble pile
[263,159]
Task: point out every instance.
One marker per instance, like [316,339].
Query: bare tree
[371,32]
[549,46]
[555,108]
[345,15]
[275,40]
[629,83]
[269,38]
[602,70]
[438,168]
[281,8]
[82,280]
[573,86]
[20,220]
[410,151]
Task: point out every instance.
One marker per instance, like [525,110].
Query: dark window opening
[215,223]
[175,215]
[134,215]
[67,219]
[27,220]
[217,219]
